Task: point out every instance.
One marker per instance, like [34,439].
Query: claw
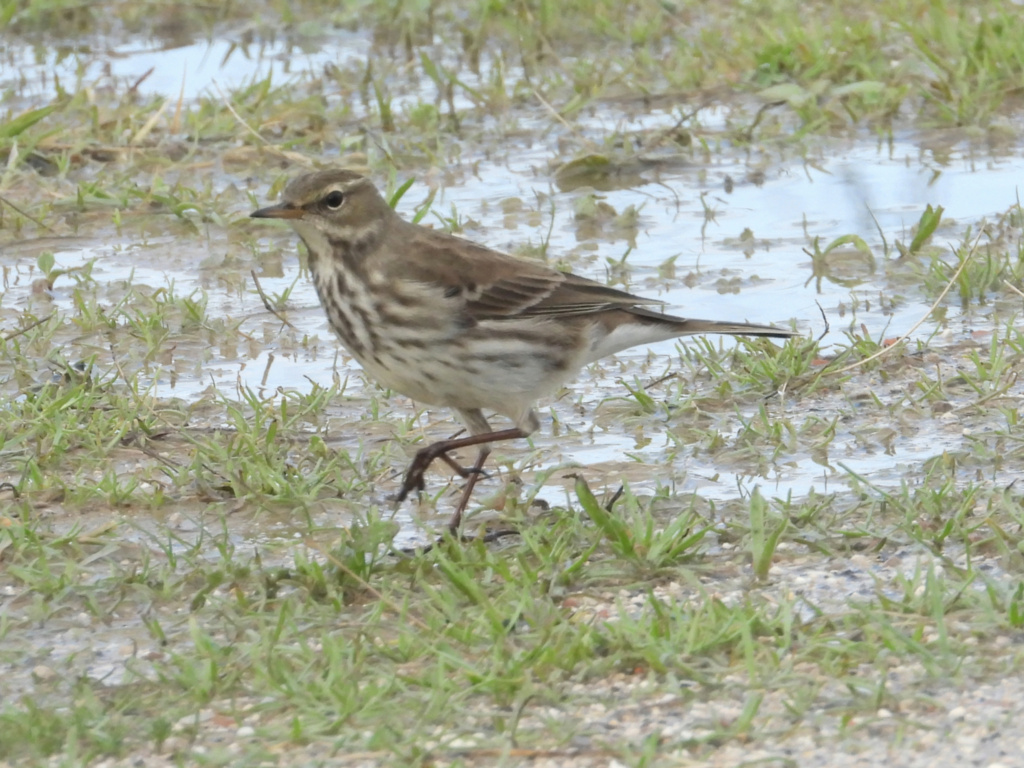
[414,476]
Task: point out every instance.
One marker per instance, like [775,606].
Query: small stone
[174,744]
[43,673]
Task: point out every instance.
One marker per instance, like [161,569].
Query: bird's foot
[414,476]
[461,471]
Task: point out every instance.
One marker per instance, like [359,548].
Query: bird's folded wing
[493,284]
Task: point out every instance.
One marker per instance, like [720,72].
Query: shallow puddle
[718,235]
[166,67]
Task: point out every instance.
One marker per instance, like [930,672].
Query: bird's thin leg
[475,472]
[425,457]
[457,468]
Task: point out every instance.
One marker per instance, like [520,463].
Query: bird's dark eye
[334,200]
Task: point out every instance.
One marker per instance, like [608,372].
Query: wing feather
[493,284]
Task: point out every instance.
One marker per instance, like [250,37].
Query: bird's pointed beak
[282,211]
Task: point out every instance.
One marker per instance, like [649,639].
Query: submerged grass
[442,71]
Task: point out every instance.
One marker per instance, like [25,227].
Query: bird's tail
[639,325]
[687,327]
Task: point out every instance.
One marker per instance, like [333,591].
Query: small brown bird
[449,322]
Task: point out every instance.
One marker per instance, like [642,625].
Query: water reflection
[169,67]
